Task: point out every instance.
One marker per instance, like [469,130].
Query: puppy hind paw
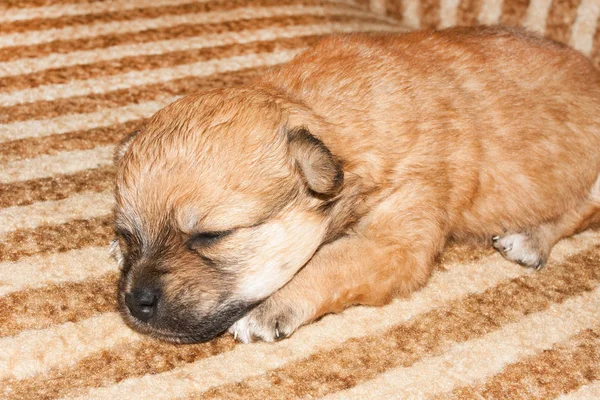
[521,249]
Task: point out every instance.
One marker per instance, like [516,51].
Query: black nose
[142,302]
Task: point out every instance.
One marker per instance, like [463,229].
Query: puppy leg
[532,247]
[390,253]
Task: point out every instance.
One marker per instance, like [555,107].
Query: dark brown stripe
[149,12]
[361,359]
[96,102]
[560,19]
[513,12]
[57,304]
[468,12]
[113,365]
[56,238]
[430,14]
[145,62]
[57,187]
[149,35]
[395,9]
[560,370]
[78,140]
[455,253]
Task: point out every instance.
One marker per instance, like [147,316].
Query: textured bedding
[76,76]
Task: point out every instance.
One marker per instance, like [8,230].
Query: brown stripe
[56,238]
[430,13]
[356,360]
[395,9]
[468,12]
[562,369]
[149,35]
[113,365]
[150,12]
[78,140]
[144,62]
[513,12]
[361,359]
[57,304]
[561,16]
[455,253]
[39,3]
[96,102]
[57,187]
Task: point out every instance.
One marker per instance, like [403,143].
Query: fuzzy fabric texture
[78,75]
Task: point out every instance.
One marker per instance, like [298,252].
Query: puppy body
[344,173]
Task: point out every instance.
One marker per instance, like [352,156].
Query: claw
[539,265]
[278,334]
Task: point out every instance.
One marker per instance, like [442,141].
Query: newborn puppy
[337,178]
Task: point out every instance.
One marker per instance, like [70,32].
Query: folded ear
[321,171]
[123,146]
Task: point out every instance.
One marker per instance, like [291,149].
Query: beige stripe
[490,13]
[478,359]
[98,7]
[118,27]
[448,13]
[62,163]
[378,6]
[251,360]
[79,206]
[537,13]
[44,269]
[582,34]
[77,122]
[138,78]
[411,17]
[587,392]
[26,66]
[32,352]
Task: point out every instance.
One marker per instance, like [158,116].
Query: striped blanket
[78,75]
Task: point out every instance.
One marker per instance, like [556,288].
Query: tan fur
[345,172]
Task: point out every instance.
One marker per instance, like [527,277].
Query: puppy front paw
[520,248]
[274,319]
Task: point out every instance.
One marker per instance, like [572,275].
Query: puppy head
[220,200]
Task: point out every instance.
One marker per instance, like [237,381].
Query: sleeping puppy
[337,178]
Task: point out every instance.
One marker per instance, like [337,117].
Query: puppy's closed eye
[206,239]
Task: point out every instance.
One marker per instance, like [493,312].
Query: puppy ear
[321,171]
[123,146]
